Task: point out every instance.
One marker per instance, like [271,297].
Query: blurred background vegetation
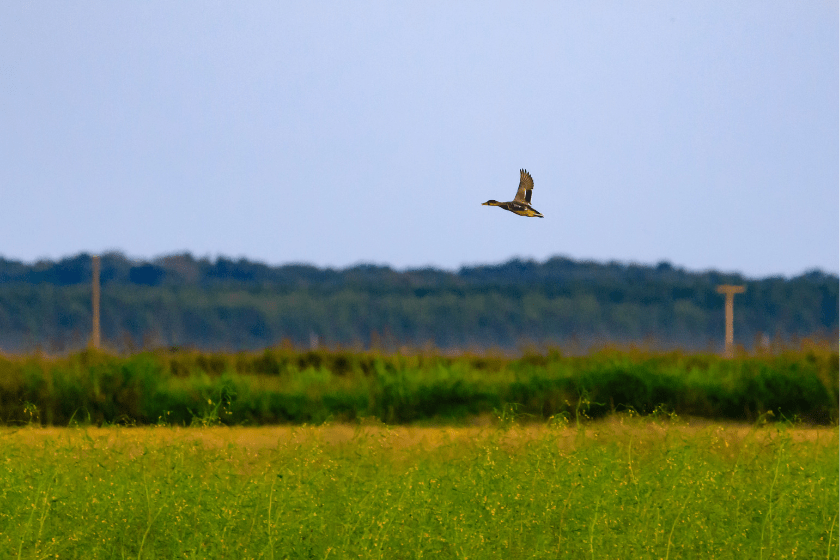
[234,305]
[282,385]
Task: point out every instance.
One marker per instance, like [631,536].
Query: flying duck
[521,203]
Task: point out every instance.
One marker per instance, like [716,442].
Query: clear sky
[702,132]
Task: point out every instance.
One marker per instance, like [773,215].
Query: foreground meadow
[622,488]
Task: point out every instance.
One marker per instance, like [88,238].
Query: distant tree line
[227,304]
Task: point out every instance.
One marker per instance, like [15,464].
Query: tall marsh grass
[284,386]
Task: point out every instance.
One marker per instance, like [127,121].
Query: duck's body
[521,203]
[523,209]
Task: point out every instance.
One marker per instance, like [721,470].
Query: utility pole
[729,292]
[94,337]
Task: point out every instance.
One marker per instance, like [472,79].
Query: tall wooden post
[94,337]
[730,292]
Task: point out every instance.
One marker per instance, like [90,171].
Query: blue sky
[703,133]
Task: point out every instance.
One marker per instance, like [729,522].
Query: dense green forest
[226,304]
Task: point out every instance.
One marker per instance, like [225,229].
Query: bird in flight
[521,203]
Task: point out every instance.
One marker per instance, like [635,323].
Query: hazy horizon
[217,256]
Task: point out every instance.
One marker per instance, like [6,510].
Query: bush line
[281,386]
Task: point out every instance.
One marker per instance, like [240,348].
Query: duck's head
[490,203]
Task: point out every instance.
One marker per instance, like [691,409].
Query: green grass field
[623,487]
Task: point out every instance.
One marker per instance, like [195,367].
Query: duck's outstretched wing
[526,185]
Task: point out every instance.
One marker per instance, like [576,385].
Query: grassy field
[623,487]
